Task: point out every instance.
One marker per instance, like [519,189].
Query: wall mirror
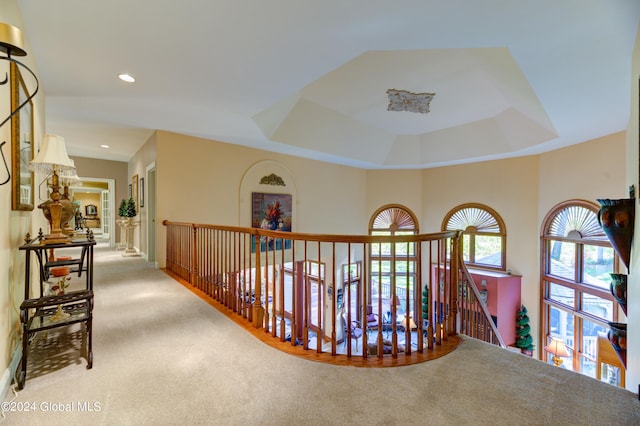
[21,144]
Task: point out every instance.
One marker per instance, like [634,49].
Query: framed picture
[21,143]
[272,212]
[134,191]
[141,192]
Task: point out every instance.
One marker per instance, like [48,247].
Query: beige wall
[402,187]
[105,169]
[15,224]
[199,181]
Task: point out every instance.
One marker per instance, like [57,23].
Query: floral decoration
[63,283]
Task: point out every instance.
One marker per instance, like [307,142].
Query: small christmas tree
[131,208]
[425,304]
[524,341]
[122,210]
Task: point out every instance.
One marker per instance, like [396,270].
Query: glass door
[106,214]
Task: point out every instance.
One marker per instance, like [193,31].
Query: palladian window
[577,260]
[484,235]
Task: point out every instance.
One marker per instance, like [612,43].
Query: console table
[39,313]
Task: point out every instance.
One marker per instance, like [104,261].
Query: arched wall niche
[271,177]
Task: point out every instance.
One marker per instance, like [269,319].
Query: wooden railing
[475,319]
[320,291]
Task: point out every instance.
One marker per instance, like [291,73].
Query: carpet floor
[163,356]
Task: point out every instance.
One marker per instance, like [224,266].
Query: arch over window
[484,234]
[577,220]
[393,218]
[576,302]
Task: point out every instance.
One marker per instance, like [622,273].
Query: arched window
[484,235]
[393,266]
[577,259]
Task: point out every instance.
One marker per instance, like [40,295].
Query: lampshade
[412,324]
[11,41]
[72,180]
[557,348]
[70,177]
[52,156]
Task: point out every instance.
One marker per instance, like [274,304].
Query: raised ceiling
[310,78]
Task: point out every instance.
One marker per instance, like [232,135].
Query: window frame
[472,232]
[400,220]
[578,286]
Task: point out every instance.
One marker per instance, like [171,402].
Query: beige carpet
[162,356]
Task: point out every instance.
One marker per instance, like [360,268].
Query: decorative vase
[618,337]
[619,290]
[616,217]
[68,211]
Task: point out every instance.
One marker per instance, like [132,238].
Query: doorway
[150,206]
[101,193]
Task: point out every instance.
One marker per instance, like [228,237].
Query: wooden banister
[292,286]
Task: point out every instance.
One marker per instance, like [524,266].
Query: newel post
[258,310]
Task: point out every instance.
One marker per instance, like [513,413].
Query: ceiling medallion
[402,100]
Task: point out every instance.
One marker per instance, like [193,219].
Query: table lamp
[53,159]
[558,349]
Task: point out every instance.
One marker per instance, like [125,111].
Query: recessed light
[104,146]
[126,77]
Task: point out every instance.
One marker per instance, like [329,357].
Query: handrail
[293,285]
[485,328]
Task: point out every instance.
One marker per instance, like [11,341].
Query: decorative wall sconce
[11,43]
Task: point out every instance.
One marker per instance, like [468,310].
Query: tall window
[484,235]
[576,300]
[393,266]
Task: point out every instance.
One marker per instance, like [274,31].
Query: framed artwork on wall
[271,212]
[21,143]
[141,192]
[134,191]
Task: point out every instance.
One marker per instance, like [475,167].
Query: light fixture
[11,43]
[53,159]
[127,78]
[558,349]
[104,146]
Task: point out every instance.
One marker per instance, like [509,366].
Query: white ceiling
[309,78]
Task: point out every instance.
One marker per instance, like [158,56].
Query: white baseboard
[10,372]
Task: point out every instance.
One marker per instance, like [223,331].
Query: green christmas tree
[425,303]
[122,210]
[131,208]
[524,341]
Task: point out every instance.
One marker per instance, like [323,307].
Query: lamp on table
[53,159]
[558,349]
